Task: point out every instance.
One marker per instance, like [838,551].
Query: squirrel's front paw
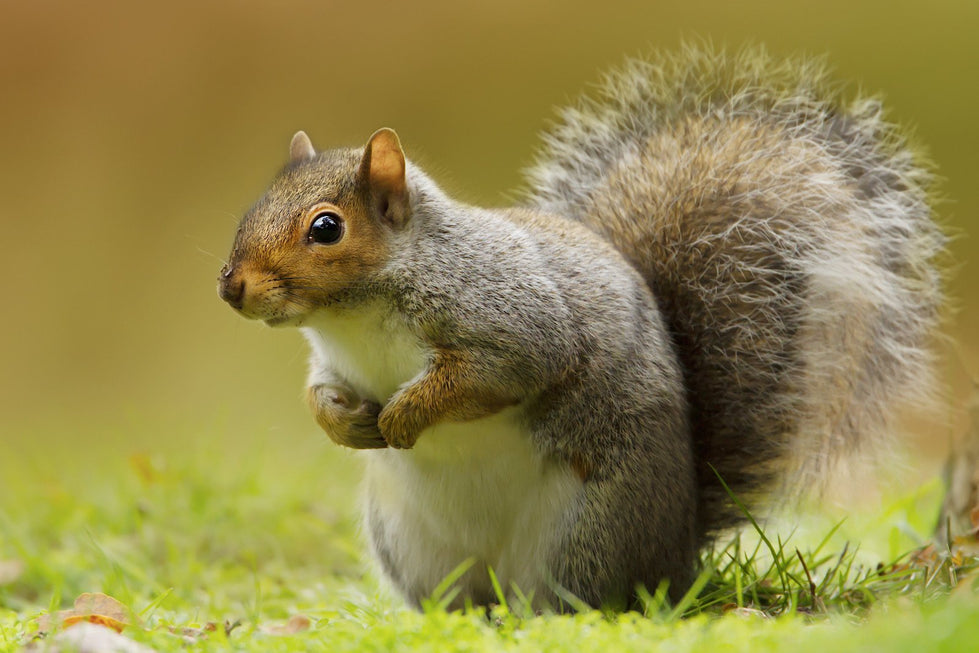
[398,426]
[347,419]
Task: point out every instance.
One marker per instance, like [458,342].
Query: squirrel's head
[319,232]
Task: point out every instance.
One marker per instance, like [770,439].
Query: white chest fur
[475,490]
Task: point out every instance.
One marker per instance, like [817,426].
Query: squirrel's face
[319,233]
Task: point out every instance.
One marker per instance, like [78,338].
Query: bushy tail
[788,238]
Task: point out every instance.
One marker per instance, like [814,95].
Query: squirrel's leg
[624,535]
[349,420]
[635,518]
[453,388]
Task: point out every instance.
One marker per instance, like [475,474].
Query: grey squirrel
[719,269]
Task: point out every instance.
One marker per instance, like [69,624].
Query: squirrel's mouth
[284,320]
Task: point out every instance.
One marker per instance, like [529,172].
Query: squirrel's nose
[231,289]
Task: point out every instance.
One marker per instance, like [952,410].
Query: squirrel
[720,276]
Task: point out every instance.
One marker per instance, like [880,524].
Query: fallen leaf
[196,633]
[99,619]
[100,609]
[192,635]
[297,623]
[91,607]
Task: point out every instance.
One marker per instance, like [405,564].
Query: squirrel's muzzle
[231,288]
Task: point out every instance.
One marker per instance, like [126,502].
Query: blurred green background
[134,135]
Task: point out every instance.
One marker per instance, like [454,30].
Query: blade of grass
[444,593]
[754,524]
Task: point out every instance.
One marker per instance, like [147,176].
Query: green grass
[253,536]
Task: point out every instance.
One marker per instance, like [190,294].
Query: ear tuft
[301,148]
[382,171]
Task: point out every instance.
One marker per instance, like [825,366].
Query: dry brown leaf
[925,556]
[99,619]
[192,635]
[91,607]
[297,623]
[195,633]
[100,608]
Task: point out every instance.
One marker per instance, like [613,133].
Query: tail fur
[788,238]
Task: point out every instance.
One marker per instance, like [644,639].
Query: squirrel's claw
[349,421]
[397,426]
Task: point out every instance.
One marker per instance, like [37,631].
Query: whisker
[212,255]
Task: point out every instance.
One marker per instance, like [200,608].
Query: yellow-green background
[132,136]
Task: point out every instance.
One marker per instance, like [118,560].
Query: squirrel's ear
[301,148]
[382,171]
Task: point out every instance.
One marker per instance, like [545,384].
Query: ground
[259,550]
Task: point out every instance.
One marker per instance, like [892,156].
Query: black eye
[327,228]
